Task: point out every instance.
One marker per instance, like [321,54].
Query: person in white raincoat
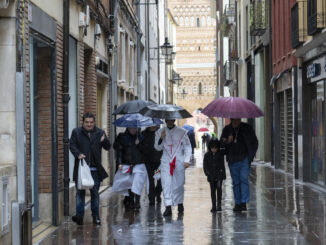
[176,156]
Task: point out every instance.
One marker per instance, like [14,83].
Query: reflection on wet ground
[280,212]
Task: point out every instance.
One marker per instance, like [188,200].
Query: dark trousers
[95,197]
[216,188]
[154,190]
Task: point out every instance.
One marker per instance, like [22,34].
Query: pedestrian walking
[130,179]
[152,162]
[176,156]
[86,143]
[241,145]
[214,169]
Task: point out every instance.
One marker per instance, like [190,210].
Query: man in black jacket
[86,143]
[152,162]
[241,145]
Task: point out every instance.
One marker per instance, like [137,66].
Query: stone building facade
[195,47]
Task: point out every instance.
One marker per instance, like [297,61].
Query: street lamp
[167,48]
[176,78]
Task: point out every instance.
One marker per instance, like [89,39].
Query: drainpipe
[66,99]
[139,35]
[270,77]
[158,53]
[148,55]
[114,77]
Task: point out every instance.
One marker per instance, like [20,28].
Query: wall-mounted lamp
[166,48]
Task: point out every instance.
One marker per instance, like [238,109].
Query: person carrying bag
[86,145]
[85,180]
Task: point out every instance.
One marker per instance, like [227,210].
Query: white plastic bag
[85,179]
[157,174]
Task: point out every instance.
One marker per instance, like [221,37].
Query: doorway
[42,103]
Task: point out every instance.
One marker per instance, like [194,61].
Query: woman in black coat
[214,169]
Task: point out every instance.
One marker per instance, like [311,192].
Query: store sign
[313,70]
[316,70]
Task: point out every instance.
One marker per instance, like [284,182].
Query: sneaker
[77,219]
[237,208]
[168,211]
[180,208]
[96,220]
[243,206]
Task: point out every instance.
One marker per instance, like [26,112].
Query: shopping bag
[157,174]
[85,179]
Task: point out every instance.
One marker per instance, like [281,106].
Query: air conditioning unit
[97,31]
[4,3]
[82,19]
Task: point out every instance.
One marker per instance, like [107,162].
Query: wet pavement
[281,211]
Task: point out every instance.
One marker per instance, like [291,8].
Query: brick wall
[81,75]
[59,57]
[90,81]
[44,119]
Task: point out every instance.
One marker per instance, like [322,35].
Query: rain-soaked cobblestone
[281,211]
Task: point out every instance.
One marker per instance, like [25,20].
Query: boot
[237,208]
[137,204]
[96,220]
[219,206]
[213,210]
[77,219]
[180,208]
[243,206]
[168,211]
[131,200]
[126,201]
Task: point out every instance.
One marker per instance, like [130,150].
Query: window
[199,88]
[198,24]
[194,89]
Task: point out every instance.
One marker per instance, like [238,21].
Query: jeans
[95,197]
[240,173]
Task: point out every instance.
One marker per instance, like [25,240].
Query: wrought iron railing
[258,17]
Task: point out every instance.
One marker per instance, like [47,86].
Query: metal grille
[289,127]
[282,132]
[286,130]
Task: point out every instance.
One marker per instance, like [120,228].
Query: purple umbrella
[232,107]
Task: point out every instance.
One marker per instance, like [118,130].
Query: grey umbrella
[132,106]
[165,111]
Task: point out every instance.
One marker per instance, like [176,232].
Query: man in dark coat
[131,161]
[241,145]
[86,143]
[152,162]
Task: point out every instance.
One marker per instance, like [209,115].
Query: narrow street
[280,212]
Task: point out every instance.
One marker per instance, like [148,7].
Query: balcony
[298,23]
[258,17]
[228,21]
[229,72]
[229,12]
[316,16]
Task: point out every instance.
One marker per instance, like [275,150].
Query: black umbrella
[165,111]
[132,106]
